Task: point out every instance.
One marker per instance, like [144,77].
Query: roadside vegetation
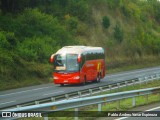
[32,30]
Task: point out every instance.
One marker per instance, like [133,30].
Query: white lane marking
[121,118]
[6,102]
[153,109]
[23,91]
[54,92]
[144,111]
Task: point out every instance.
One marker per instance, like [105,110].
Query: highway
[26,94]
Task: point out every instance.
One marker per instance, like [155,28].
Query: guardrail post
[99,107]
[45,116]
[133,82]
[147,99]
[79,93]
[109,87]
[53,99]
[118,104]
[157,77]
[101,89]
[118,84]
[146,79]
[126,83]
[152,78]
[67,96]
[18,106]
[36,102]
[90,91]
[76,114]
[140,81]
[133,101]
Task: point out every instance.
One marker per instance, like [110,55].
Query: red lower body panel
[66,78]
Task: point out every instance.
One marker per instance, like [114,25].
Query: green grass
[35,74]
[125,64]
[23,83]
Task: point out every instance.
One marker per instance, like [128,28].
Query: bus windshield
[66,63]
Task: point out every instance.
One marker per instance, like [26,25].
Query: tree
[78,8]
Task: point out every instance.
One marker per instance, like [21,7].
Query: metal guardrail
[81,102]
[92,91]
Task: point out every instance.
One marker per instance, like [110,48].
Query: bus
[78,65]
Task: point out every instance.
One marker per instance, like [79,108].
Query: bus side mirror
[52,58]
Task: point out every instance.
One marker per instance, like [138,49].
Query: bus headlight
[55,77]
[76,77]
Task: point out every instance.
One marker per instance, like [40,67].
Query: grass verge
[125,64]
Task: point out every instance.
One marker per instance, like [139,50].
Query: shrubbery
[106,22]
[118,33]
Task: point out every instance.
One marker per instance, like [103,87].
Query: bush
[37,49]
[35,23]
[118,33]
[6,58]
[3,41]
[72,24]
[106,22]
[78,8]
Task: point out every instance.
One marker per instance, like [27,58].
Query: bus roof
[79,49]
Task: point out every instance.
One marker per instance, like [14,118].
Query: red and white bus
[78,64]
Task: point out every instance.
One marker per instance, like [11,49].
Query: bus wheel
[98,78]
[61,84]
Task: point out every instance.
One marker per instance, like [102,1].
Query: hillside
[30,31]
